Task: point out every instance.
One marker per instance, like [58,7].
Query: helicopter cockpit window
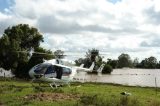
[41,69]
[66,71]
[50,70]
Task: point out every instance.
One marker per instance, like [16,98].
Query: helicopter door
[59,72]
[50,73]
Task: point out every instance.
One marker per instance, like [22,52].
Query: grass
[19,92]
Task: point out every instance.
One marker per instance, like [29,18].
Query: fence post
[156,85]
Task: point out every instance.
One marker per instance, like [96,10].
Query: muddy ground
[51,96]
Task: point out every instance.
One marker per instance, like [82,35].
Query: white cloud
[77,25]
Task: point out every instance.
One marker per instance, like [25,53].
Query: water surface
[133,77]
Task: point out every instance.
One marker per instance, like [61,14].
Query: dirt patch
[1,104]
[51,97]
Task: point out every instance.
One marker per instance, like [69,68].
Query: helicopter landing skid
[53,85]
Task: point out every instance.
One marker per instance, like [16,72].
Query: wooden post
[4,76]
[156,85]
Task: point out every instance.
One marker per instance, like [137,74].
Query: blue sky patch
[5,4]
[114,1]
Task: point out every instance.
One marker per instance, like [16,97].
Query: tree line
[124,60]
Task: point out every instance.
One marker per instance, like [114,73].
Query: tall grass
[95,100]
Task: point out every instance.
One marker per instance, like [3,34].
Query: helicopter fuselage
[48,72]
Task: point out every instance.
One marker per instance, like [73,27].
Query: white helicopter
[55,72]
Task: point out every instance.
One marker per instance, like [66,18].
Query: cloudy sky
[111,26]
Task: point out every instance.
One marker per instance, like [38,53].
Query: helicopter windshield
[41,68]
[66,71]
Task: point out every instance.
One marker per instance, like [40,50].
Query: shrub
[107,69]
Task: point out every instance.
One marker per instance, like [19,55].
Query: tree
[37,57]
[124,60]
[136,62]
[113,63]
[107,69]
[150,63]
[59,54]
[79,61]
[91,56]
[16,39]
[158,65]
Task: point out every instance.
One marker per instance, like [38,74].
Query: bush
[107,69]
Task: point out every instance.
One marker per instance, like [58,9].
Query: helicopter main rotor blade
[34,52]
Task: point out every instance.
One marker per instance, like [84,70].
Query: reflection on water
[133,77]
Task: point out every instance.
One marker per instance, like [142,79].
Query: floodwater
[132,77]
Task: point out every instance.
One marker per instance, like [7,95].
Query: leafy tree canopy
[93,56]
[36,58]
[59,54]
[16,39]
[124,60]
[113,63]
[150,62]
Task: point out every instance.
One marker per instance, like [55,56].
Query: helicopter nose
[31,73]
[38,76]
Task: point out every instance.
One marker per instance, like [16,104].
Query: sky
[74,26]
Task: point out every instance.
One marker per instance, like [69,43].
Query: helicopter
[56,73]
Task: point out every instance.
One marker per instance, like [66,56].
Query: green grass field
[22,93]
